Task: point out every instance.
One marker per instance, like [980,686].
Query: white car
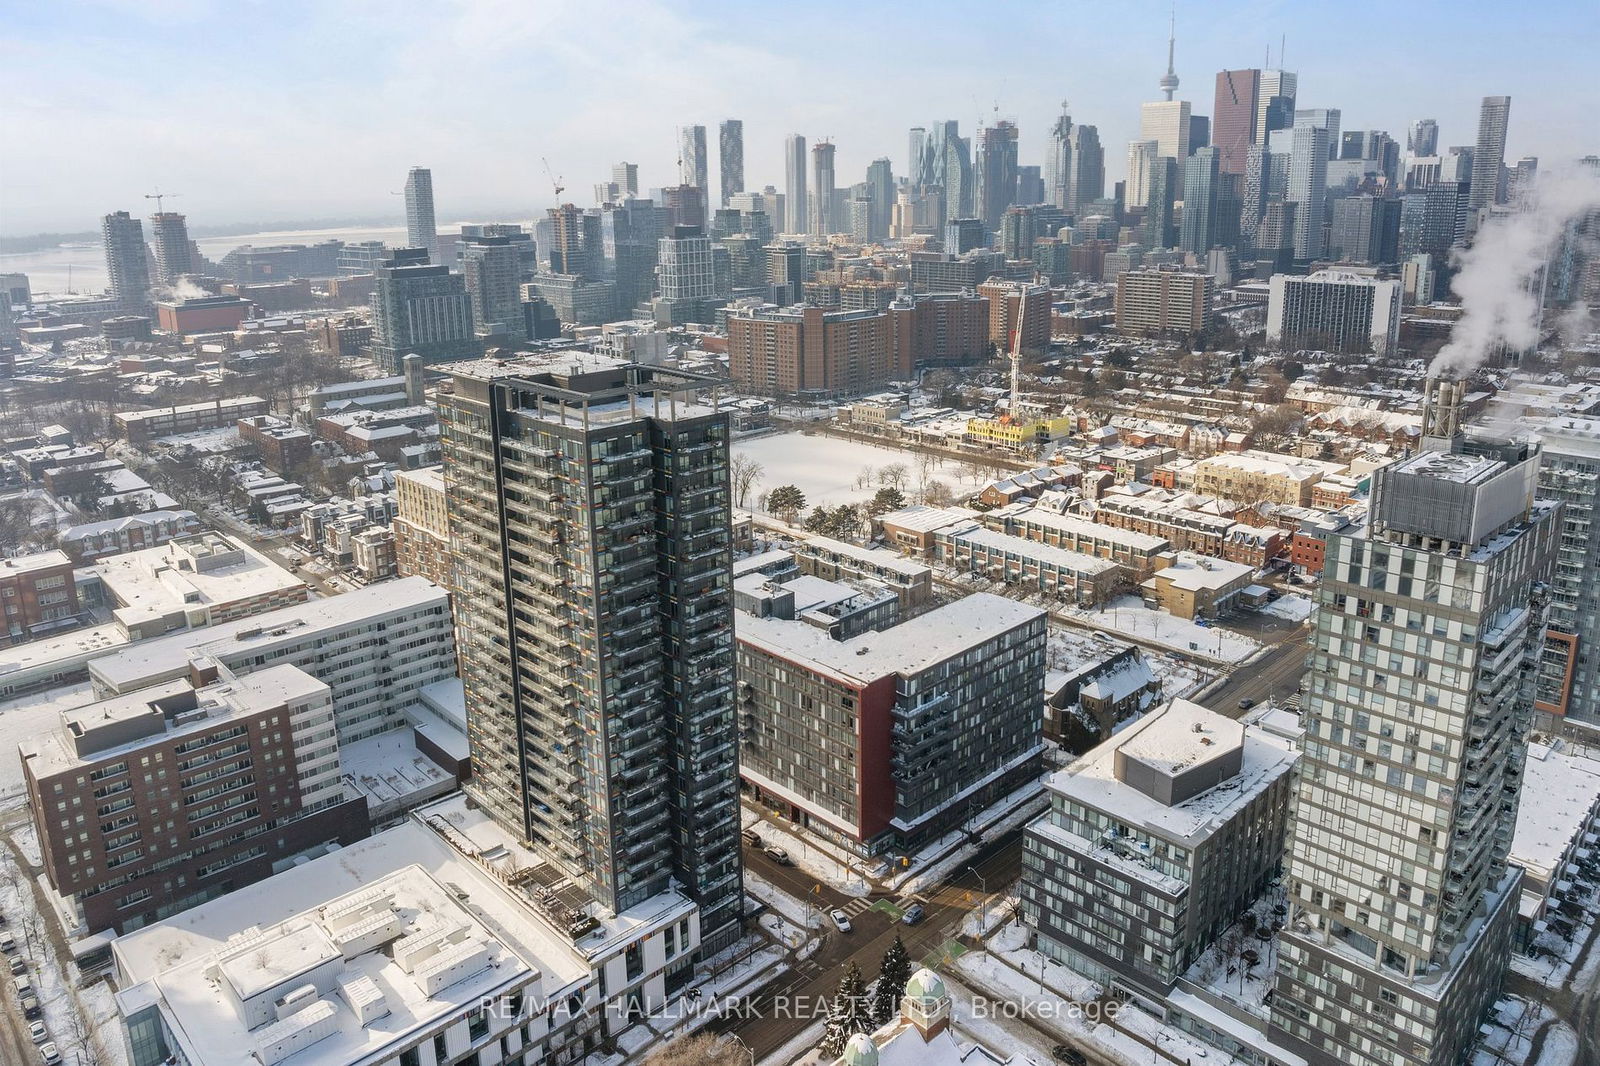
[39,1033]
[49,1053]
[841,920]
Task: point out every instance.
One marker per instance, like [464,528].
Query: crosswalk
[901,903]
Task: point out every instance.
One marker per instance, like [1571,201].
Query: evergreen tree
[888,499]
[820,520]
[892,978]
[786,501]
[850,1014]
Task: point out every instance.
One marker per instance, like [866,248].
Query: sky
[266,110]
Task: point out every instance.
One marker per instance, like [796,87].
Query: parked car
[841,920]
[1246,703]
[1070,1055]
[8,943]
[24,986]
[779,856]
[30,1007]
[49,1054]
[19,964]
[39,1033]
[752,838]
[914,914]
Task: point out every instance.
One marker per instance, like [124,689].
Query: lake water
[48,270]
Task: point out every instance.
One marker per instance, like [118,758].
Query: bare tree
[865,478]
[746,475]
[700,1049]
[937,494]
[894,476]
[83,1038]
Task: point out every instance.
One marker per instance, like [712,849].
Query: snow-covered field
[1127,616]
[826,469]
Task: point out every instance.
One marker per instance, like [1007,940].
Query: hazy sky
[259,110]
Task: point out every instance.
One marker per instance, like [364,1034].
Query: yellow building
[1016,436]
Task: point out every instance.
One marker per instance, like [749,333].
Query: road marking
[856,906]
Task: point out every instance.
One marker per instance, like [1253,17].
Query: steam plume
[1497,304]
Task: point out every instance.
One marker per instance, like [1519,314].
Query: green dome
[860,1051]
[926,986]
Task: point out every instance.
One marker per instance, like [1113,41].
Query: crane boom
[158,196]
[555,181]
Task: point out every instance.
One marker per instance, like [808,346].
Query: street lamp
[748,1049]
[982,881]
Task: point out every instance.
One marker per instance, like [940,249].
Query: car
[778,855]
[30,1007]
[841,920]
[1246,703]
[24,986]
[8,943]
[49,1054]
[1070,1055]
[914,914]
[752,838]
[39,1033]
[19,964]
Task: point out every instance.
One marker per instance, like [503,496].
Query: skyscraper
[1142,156]
[1234,116]
[422,230]
[795,214]
[822,220]
[1252,194]
[629,243]
[916,154]
[1274,85]
[1088,169]
[126,263]
[1164,178]
[589,507]
[1167,123]
[489,266]
[1198,234]
[730,158]
[692,163]
[1365,229]
[1327,118]
[880,182]
[1422,139]
[1416,710]
[174,252]
[1058,162]
[422,309]
[995,172]
[1569,667]
[1489,154]
[957,173]
[1308,185]
[626,177]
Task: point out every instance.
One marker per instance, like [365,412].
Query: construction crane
[158,196]
[1016,355]
[560,188]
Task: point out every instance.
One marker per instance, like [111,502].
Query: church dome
[926,987]
[860,1051]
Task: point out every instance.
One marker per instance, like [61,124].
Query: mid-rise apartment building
[1569,669]
[809,351]
[885,740]
[148,803]
[1154,842]
[1163,303]
[1335,311]
[422,525]
[139,427]
[38,594]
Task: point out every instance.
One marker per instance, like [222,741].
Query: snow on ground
[24,717]
[795,910]
[1128,616]
[1294,607]
[60,1003]
[818,858]
[1555,955]
[215,441]
[1560,1046]
[928,868]
[826,468]
[1508,1037]
[1010,945]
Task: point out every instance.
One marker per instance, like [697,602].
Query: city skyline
[216,148]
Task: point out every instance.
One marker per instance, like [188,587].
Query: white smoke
[1498,306]
[182,289]
[1576,324]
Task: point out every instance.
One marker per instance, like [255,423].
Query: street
[1277,675]
[798,997]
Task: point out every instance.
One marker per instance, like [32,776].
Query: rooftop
[204,570]
[1064,558]
[1568,788]
[395,933]
[907,648]
[1196,573]
[1450,466]
[1168,735]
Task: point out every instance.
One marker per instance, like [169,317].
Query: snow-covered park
[828,469]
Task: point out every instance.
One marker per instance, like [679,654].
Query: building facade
[422,230]
[601,725]
[420,309]
[1334,310]
[1163,303]
[1417,704]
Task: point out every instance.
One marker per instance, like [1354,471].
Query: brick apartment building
[150,803]
[37,595]
[421,526]
[282,446]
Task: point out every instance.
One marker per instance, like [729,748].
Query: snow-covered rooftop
[905,649]
[1167,734]
[1559,793]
